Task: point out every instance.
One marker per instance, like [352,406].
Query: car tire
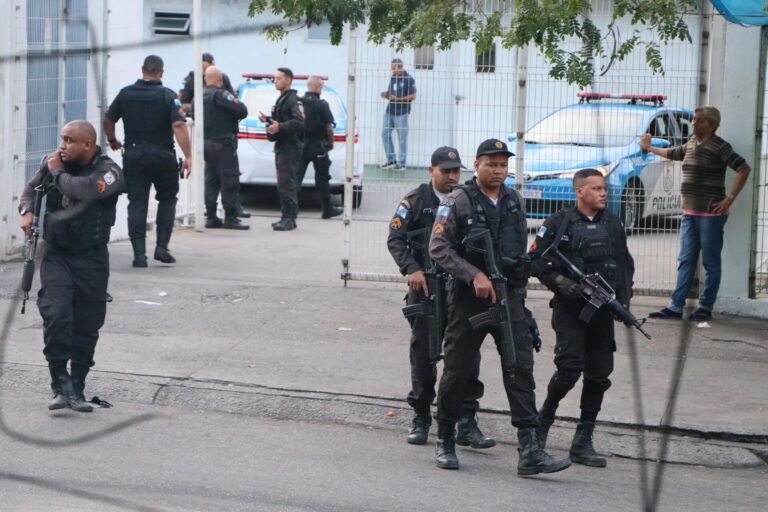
[632,205]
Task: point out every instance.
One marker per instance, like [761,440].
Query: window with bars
[485,62]
[424,57]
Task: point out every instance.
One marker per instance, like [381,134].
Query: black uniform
[187,92]
[289,112]
[80,212]
[418,210]
[465,210]
[222,169]
[593,245]
[317,119]
[148,111]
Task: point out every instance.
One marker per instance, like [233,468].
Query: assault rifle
[30,248]
[597,292]
[432,307]
[498,314]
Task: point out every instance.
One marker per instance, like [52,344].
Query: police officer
[595,241]
[81,186]
[286,129]
[416,211]
[318,141]
[486,204]
[187,92]
[151,117]
[222,173]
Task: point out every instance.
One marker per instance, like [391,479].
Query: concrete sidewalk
[268,309]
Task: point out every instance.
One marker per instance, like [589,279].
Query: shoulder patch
[542,231]
[444,209]
[109,178]
[101,186]
[230,97]
[402,211]
[395,223]
[439,228]
[177,102]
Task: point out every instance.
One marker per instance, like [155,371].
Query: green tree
[547,24]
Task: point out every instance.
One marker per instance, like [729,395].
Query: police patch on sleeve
[230,97]
[443,210]
[101,186]
[439,228]
[395,223]
[542,231]
[177,102]
[109,178]
[402,211]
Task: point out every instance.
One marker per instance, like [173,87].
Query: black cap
[447,158]
[493,147]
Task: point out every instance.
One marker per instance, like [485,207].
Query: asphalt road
[197,460]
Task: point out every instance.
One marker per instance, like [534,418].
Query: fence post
[522,118]
[349,170]
[198,159]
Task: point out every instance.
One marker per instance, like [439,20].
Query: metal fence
[760,282]
[463,98]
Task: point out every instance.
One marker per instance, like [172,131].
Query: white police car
[256,153]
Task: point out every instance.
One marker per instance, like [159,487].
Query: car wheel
[632,203]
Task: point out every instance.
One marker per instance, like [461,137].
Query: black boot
[532,458]
[232,222]
[469,434]
[546,419]
[445,449]
[166,211]
[139,252]
[213,222]
[330,211]
[419,429]
[582,451]
[285,224]
[242,213]
[77,400]
[61,386]
[163,255]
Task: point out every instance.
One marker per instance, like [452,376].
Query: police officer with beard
[286,129]
[81,186]
[318,141]
[151,116]
[222,171]
[486,204]
[417,210]
[595,241]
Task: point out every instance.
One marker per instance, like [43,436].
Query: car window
[589,127]
[261,100]
[661,127]
[684,120]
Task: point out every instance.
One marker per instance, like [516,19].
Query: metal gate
[464,97]
[759,284]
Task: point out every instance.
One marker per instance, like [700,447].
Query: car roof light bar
[634,99]
[271,76]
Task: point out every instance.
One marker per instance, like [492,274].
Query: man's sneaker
[398,167]
[666,314]
[388,165]
[701,315]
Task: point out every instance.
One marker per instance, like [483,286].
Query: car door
[661,177]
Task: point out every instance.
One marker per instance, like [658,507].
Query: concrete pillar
[8,217]
[733,84]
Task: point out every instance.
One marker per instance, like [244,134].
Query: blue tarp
[743,12]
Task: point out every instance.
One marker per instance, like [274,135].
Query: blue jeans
[397,124]
[705,234]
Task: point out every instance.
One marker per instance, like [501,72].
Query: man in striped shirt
[705,158]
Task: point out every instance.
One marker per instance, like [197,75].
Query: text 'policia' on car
[602,131]
[255,152]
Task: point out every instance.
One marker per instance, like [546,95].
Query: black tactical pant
[72,302]
[145,165]
[424,372]
[287,161]
[316,152]
[462,344]
[222,174]
[581,349]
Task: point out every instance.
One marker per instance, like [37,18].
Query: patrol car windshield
[591,127]
[261,100]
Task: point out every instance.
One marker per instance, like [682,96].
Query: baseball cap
[447,158]
[493,147]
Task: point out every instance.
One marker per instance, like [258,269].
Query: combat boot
[582,451]
[77,400]
[232,222]
[546,419]
[469,434]
[139,252]
[60,385]
[532,458]
[445,449]
[163,255]
[213,222]
[242,213]
[284,225]
[331,211]
[419,429]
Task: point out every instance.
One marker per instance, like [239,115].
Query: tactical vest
[314,127]
[505,224]
[85,226]
[146,115]
[281,112]
[426,217]
[218,121]
[592,247]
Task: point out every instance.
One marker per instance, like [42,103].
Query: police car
[602,131]
[256,153]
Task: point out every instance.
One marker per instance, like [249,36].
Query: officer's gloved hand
[568,288]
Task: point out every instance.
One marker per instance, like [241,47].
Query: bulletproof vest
[592,247]
[76,226]
[282,112]
[509,239]
[314,125]
[218,121]
[426,216]
[146,117]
